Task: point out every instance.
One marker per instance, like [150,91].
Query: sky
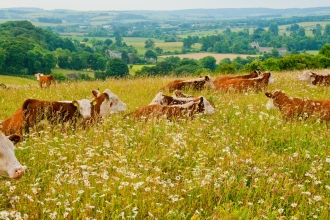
[121,5]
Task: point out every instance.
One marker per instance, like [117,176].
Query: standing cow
[46,80]
[9,165]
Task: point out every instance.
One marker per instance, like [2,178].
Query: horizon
[148,5]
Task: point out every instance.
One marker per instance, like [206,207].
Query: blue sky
[160,4]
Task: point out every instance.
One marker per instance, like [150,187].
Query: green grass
[16,81]
[243,162]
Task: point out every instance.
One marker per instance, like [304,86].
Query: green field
[243,162]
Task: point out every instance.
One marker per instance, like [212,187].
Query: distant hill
[32,14]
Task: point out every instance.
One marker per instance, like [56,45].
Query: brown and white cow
[298,107]
[46,80]
[253,74]
[244,85]
[196,84]
[13,124]
[9,165]
[314,79]
[161,99]
[107,103]
[56,111]
[199,105]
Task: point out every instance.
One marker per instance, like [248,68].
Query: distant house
[151,60]
[114,54]
[281,50]
[73,76]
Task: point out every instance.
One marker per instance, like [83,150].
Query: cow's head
[37,75]
[273,99]
[209,82]
[84,107]
[158,100]
[107,103]
[307,76]
[205,106]
[9,165]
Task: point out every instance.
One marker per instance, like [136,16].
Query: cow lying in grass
[244,85]
[314,79]
[298,107]
[220,79]
[199,105]
[161,99]
[195,84]
[9,165]
[13,124]
[56,111]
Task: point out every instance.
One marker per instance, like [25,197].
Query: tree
[118,38]
[158,50]
[108,42]
[327,30]
[150,54]
[125,57]
[208,62]
[188,42]
[301,32]
[273,28]
[325,50]
[116,67]
[3,55]
[149,44]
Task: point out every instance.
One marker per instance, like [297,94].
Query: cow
[244,85]
[9,165]
[314,79]
[161,99]
[46,80]
[199,105]
[107,103]
[56,111]
[196,84]
[253,74]
[13,124]
[298,107]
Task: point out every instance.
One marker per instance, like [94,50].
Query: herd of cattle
[83,112]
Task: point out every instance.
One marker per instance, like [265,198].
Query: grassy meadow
[243,162]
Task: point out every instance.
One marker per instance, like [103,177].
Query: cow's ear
[207,78]
[75,103]
[269,95]
[106,96]
[15,138]
[95,93]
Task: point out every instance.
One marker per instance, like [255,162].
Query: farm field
[243,162]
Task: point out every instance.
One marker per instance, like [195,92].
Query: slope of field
[16,81]
[242,162]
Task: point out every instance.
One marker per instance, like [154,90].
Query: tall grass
[243,162]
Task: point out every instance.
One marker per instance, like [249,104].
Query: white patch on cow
[209,109]
[270,104]
[306,76]
[111,105]
[182,99]
[186,105]
[271,79]
[84,107]
[9,165]
[158,99]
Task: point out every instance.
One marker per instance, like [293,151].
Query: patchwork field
[243,162]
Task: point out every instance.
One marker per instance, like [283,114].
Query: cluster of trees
[26,49]
[239,42]
[175,66]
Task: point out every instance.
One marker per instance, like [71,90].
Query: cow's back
[13,124]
